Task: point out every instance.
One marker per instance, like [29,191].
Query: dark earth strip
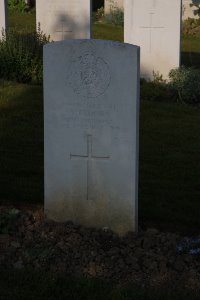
[149,258]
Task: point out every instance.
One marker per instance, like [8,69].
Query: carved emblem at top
[89,76]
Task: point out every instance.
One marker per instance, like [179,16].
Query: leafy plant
[17,5]
[186,82]
[191,27]
[99,15]
[157,89]
[21,56]
[115,15]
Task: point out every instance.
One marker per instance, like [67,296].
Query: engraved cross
[63,30]
[153,4]
[150,28]
[88,158]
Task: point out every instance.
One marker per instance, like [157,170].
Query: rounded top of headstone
[90,43]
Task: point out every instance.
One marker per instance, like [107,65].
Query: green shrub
[156,90]
[183,86]
[191,27]
[99,15]
[17,5]
[115,17]
[21,56]
[186,82]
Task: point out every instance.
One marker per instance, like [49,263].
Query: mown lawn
[108,32]
[22,21]
[169,190]
[169,184]
[21,142]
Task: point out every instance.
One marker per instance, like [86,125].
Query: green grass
[169,166]
[27,284]
[108,32]
[22,21]
[190,45]
[191,51]
[21,142]
[169,190]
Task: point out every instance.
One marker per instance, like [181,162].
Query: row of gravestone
[154,25]
[91,113]
[188,11]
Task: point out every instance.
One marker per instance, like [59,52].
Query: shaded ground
[149,258]
[190,59]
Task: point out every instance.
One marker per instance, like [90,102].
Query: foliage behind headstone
[191,27]
[96,4]
[186,82]
[17,5]
[21,56]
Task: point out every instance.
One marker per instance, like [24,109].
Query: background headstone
[91,95]
[3,16]
[112,5]
[188,11]
[64,19]
[154,25]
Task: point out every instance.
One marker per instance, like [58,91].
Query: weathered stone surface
[64,19]
[91,101]
[3,16]
[154,25]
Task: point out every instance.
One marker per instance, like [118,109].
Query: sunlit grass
[22,21]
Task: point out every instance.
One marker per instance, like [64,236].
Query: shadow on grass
[21,143]
[169,157]
[29,284]
[169,166]
[190,59]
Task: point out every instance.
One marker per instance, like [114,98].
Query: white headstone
[154,25]
[189,11]
[91,99]
[64,19]
[3,16]
[110,5]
